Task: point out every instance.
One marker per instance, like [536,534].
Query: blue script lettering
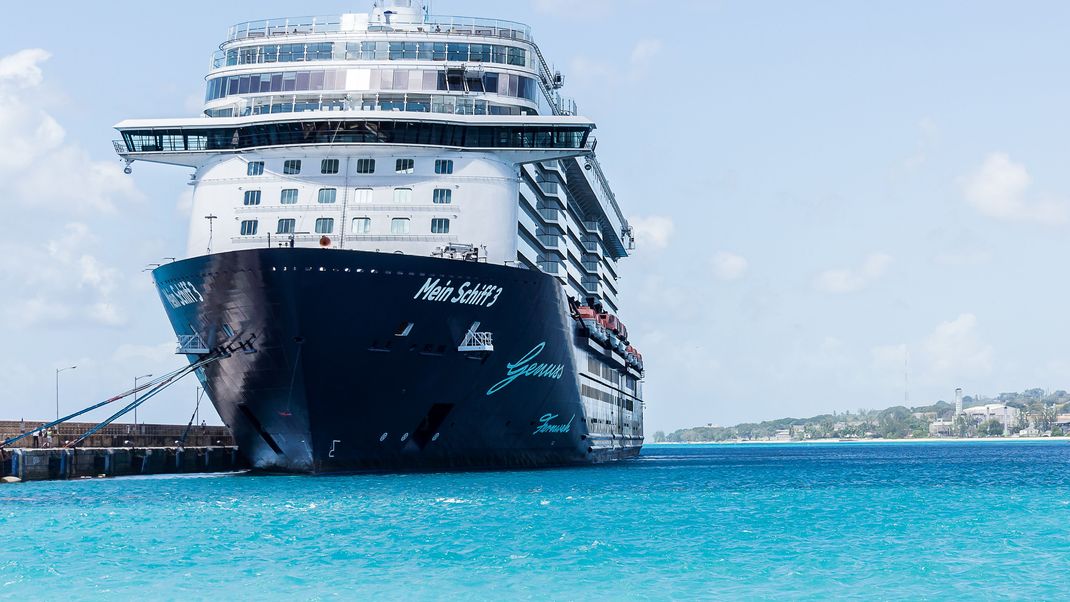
[545,426]
[526,367]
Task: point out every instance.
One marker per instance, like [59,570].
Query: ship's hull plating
[354,362]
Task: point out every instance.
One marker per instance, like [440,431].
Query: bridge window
[291,167]
[289,196]
[325,225]
[252,197]
[329,166]
[254,168]
[399,225]
[443,166]
[248,227]
[442,196]
[286,226]
[360,131]
[405,166]
[440,226]
[362,225]
[328,195]
[365,165]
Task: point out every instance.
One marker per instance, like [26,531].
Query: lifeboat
[590,320]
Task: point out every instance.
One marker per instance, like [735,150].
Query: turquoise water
[923,520]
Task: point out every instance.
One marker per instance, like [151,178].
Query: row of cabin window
[364,166]
[361,225]
[440,196]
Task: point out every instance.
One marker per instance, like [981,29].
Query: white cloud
[998,189]
[22,69]
[645,51]
[653,230]
[955,349]
[953,353]
[729,266]
[596,72]
[849,280]
[58,280]
[34,150]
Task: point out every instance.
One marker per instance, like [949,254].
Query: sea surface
[808,521]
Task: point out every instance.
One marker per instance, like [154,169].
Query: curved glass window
[457,80]
[435,51]
[274,53]
[360,132]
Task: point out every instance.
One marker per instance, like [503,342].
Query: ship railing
[191,344]
[475,342]
[120,147]
[328,24]
[269,28]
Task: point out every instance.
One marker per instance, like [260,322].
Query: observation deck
[356,22]
[466,56]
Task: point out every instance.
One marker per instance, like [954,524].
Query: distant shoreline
[918,440]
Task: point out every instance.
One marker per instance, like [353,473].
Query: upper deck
[395,58]
[355,22]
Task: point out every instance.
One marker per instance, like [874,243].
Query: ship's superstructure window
[254,168]
[322,80]
[325,225]
[248,227]
[274,53]
[286,226]
[291,166]
[362,225]
[405,166]
[433,51]
[252,197]
[365,166]
[288,196]
[443,166]
[440,226]
[399,225]
[442,196]
[358,131]
[327,195]
[362,195]
[329,166]
[403,195]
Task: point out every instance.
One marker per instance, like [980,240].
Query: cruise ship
[403,244]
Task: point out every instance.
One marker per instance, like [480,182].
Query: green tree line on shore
[1037,409]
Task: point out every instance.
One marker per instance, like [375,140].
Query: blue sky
[821,190]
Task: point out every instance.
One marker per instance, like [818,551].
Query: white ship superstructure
[397,132]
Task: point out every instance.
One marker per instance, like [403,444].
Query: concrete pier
[60,463]
[117,435]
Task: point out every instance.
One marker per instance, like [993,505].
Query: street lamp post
[137,378]
[58,370]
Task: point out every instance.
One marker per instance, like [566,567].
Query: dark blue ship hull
[353,363]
